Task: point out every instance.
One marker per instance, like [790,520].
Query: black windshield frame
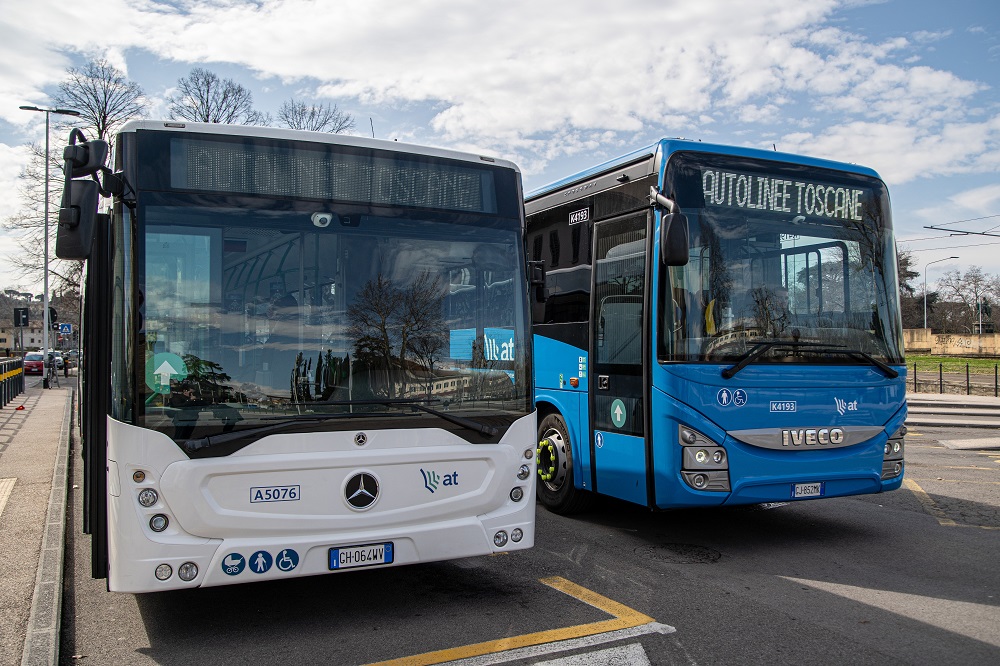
[438,227]
[758,272]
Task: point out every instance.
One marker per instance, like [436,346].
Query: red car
[33,363]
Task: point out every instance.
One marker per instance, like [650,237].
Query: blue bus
[715,326]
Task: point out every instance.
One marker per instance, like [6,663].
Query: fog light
[524,472]
[188,571]
[888,448]
[701,456]
[138,476]
[896,447]
[898,468]
[158,523]
[148,497]
[500,539]
[699,480]
[529,454]
[516,534]
[517,494]
[718,457]
[164,572]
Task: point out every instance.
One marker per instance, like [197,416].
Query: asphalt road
[905,577]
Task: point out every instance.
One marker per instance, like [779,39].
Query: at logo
[843,406]
[432,480]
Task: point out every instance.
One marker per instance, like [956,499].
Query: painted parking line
[933,509]
[625,623]
[6,485]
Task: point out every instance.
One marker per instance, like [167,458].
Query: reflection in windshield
[251,316]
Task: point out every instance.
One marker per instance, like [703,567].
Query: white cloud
[983,200]
[540,80]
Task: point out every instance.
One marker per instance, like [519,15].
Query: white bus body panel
[439,498]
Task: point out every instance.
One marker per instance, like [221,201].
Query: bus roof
[316,137]
[666,147]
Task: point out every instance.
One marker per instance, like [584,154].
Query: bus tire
[556,488]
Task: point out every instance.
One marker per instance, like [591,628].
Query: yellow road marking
[933,509]
[623,618]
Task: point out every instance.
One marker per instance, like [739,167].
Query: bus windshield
[796,262]
[254,313]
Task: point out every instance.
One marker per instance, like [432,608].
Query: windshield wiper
[415,403]
[215,440]
[857,353]
[815,347]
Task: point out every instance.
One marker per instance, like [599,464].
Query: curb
[41,643]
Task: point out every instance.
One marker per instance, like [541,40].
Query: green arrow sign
[618,413]
[163,367]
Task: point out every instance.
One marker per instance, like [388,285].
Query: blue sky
[908,87]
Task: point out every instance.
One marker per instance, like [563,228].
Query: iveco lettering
[737,314]
[282,329]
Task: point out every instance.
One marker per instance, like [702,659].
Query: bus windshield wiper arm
[475,426]
[417,403]
[215,440]
[817,347]
[886,370]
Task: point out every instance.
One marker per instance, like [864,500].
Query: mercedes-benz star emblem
[361,491]
[361,439]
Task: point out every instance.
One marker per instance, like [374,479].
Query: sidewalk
[34,450]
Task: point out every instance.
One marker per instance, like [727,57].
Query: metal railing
[11,379]
[933,378]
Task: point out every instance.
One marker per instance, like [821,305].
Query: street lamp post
[45,301]
[925,284]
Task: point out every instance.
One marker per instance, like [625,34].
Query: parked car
[33,363]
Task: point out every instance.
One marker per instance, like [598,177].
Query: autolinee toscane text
[738,190]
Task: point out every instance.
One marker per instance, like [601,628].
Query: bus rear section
[720,326]
[304,354]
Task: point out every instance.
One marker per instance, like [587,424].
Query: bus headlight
[892,458]
[148,497]
[524,472]
[158,523]
[704,464]
[187,571]
[500,539]
[516,534]
[163,572]
[517,494]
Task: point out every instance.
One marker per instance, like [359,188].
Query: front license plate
[800,490]
[361,556]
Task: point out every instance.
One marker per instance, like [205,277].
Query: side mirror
[674,240]
[85,159]
[76,220]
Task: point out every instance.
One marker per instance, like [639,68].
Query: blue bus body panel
[555,364]
[621,466]
[698,397]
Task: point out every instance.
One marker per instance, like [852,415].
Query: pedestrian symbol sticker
[260,562]
[618,413]
[725,397]
[233,564]
[287,560]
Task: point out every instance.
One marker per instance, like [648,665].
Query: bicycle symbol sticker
[286,560]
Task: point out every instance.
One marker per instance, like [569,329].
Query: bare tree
[103,95]
[106,99]
[205,98]
[970,289]
[315,117]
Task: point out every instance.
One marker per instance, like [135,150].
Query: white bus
[302,353]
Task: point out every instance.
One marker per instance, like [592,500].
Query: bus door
[618,446]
